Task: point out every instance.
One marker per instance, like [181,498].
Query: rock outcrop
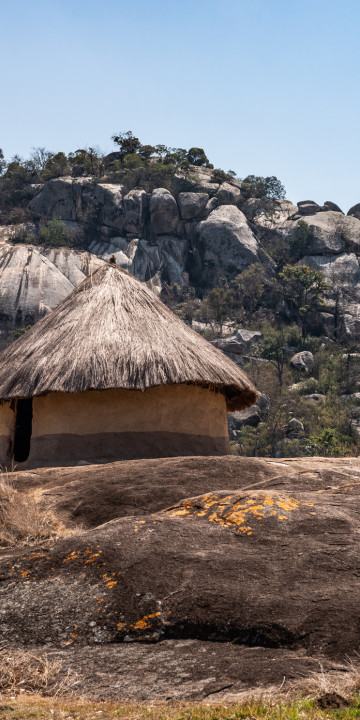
[34,280]
[190,237]
[226,243]
[207,549]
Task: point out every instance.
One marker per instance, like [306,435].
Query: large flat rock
[256,553]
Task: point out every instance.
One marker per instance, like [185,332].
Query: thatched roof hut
[112,334]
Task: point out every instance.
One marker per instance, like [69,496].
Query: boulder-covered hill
[194,238]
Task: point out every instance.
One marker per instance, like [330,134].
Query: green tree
[254,186]
[87,160]
[56,166]
[303,291]
[274,348]
[300,240]
[220,302]
[146,151]
[196,156]
[127,142]
[248,288]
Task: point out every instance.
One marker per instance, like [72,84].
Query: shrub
[55,233]
[300,240]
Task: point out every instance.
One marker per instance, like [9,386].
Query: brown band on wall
[67,448]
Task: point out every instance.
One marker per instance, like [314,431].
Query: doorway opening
[23,427]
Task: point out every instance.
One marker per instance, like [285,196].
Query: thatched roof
[112,332]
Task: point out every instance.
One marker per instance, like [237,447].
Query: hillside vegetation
[227,254]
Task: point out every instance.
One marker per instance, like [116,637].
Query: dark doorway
[23,426]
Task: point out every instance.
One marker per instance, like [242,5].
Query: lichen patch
[240,512]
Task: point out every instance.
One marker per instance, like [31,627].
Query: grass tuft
[22,521]
[25,672]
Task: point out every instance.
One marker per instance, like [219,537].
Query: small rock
[240,343]
[295,424]
[263,402]
[294,429]
[315,398]
[249,416]
[332,700]
[303,360]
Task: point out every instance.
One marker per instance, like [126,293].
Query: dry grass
[22,521]
[344,680]
[34,686]
[25,672]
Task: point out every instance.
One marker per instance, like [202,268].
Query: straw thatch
[112,332]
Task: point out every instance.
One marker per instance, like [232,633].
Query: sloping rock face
[225,243]
[263,558]
[34,281]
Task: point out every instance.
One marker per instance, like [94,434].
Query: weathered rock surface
[269,213]
[228,194]
[192,204]
[355,211]
[181,670]
[240,343]
[303,360]
[136,203]
[194,238]
[333,232]
[307,207]
[35,280]
[164,213]
[250,416]
[332,206]
[344,267]
[263,557]
[70,199]
[328,233]
[226,241]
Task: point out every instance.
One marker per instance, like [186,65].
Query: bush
[55,233]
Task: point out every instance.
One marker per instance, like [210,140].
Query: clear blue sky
[269,87]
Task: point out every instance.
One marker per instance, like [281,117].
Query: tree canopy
[254,186]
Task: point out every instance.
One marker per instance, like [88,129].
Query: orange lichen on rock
[144,623]
[239,511]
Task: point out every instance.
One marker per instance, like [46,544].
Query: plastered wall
[185,409]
